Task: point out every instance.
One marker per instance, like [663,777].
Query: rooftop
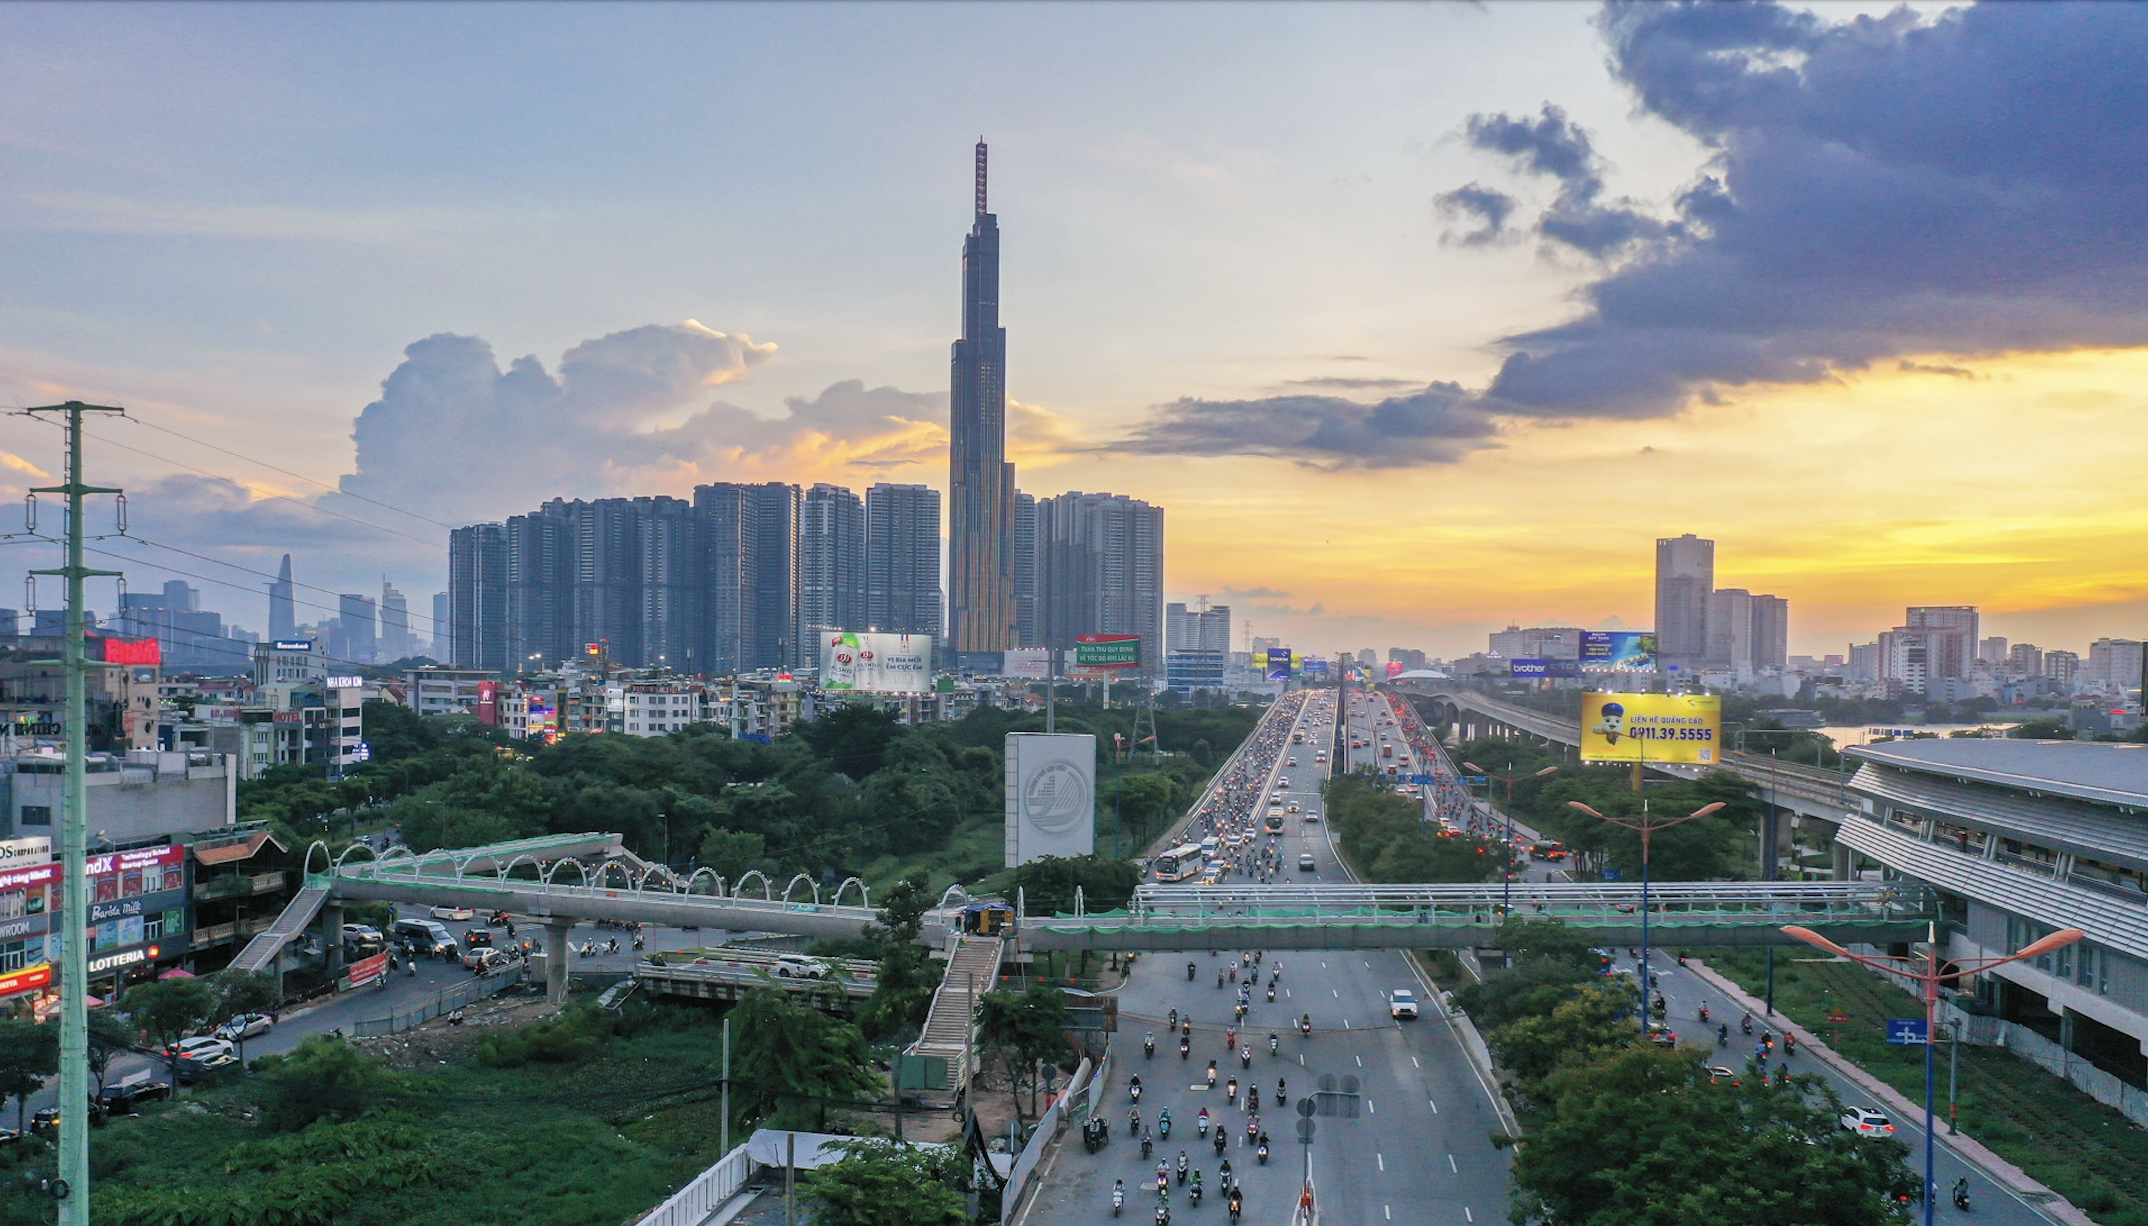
[2100,772]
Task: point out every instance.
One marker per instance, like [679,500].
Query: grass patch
[2081,1149]
[543,1144]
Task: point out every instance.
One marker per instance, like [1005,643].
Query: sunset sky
[1417,319]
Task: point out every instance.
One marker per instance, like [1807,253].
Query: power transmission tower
[71,1189]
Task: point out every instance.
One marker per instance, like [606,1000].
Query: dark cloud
[1879,187]
[1254,593]
[1554,146]
[1925,368]
[1344,383]
[1487,208]
[1438,424]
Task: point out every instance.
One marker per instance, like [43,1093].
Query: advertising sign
[1527,666]
[875,663]
[124,861]
[1394,669]
[28,979]
[16,853]
[366,970]
[1051,795]
[488,702]
[1107,651]
[1027,664]
[133,651]
[1678,728]
[1279,663]
[1606,651]
[292,645]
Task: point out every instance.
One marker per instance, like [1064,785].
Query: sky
[1417,319]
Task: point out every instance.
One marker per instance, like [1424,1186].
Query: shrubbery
[570,1038]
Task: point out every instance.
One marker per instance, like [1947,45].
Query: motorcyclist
[1230,1091]
[1722,1034]
[1219,979]
[1745,1024]
[1211,1074]
[1961,1193]
[1236,1202]
[1704,1013]
[1163,1123]
[1134,1086]
[1148,1144]
[1230,1038]
[1185,1049]
[1274,1043]
[1133,1121]
[1271,991]
[1305,1025]
[1221,1141]
[1193,1194]
[1118,1196]
[1200,1122]
[1789,1045]
[1148,1047]
[1245,1057]
[1253,1097]
[1279,1093]
[1189,972]
[1172,1022]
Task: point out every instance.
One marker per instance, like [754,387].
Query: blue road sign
[1475,781]
[1906,1031]
[1426,780]
[1610,874]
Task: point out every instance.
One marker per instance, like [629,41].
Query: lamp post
[1506,886]
[1927,974]
[1647,826]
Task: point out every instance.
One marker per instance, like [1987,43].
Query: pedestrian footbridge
[1463,916]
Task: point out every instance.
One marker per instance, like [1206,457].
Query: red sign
[22,878]
[121,861]
[28,979]
[133,651]
[1394,669]
[366,970]
[488,702]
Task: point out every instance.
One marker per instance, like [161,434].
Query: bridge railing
[1747,902]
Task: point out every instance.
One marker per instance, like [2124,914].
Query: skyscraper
[1771,632]
[832,560]
[1685,579]
[357,615]
[1025,570]
[1100,571]
[282,604]
[980,602]
[477,597]
[902,573]
[395,642]
[777,642]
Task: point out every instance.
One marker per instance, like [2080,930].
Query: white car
[455,914]
[1401,1003]
[200,1047]
[799,966]
[1866,1122]
[245,1026]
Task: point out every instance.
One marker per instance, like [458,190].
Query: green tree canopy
[902,991]
[886,1183]
[1048,883]
[168,1010]
[1592,1020]
[790,1059]
[29,1053]
[1021,1030]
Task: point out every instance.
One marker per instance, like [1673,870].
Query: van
[427,937]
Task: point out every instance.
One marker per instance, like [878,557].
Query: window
[174,921]
[12,904]
[37,815]
[153,928]
[153,879]
[14,956]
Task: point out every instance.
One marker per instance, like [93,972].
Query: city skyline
[1407,477]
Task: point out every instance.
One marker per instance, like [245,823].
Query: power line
[288,473]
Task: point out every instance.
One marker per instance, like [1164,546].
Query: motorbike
[1118,1198]
[1148,1146]
[1200,1123]
[1163,1125]
[1961,1195]
[1704,1015]
[1305,1026]
[1163,1215]
[1271,993]
[1189,972]
[1185,1049]
[1148,1048]
[1219,979]
[1230,1090]
[1236,1208]
[1245,1057]
[1279,1099]
[1193,1194]
[1182,1166]
[1221,1142]
[1722,1035]
[1133,1122]
[1745,1024]
[1262,1153]
[1252,1098]
[1274,1044]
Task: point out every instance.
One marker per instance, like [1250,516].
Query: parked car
[1402,1004]
[200,1046]
[456,914]
[125,1099]
[799,966]
[194,1068]
[245,1026]
[1866,1122]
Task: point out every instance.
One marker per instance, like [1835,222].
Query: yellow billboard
[1676,728]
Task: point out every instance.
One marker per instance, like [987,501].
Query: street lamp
[1647,826]
[1506,885]
[1927,973]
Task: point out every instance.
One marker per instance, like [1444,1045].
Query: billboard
[1675,728]
[1107,651]
[1527,666]
[1051,795]
[1394,669]
[875,663]
[292,645]
[133,651]
[1605,651]
[1279,659]
[1313,666]
[366,970]
[1027,663]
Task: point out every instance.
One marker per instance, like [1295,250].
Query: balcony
[240,886]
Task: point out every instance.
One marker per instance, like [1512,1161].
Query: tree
[886,1183]
[1640,1138]
[29,1053]
[902,991]
[109,1035]
[1024,1029]
[853,739]
[169,1010]
[1532,987]
[323,1078]
[1048,883]
[730,852]
[1593,1020]
[1528,939]
[790,1060]
[244,992]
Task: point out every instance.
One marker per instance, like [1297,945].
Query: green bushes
[570,1038]
[1385,835]
[309,1179]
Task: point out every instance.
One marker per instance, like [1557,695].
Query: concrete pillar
[1841,855]
[556,954]
[332,936]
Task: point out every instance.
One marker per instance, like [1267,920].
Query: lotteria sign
[125,957]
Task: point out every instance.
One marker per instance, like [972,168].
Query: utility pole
[71,1189]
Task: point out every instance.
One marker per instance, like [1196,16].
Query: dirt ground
[440,1041]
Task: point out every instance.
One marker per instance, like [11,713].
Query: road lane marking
[1370,1109]
[1467,1214]
[1433,1105]
[1381,1159]
[1361,1062]
[1414,1064]
[1337,994]
[1451,1166]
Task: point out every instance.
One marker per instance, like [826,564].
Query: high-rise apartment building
[283,604]
[190,638]
[1100,570]
[395,640]
[1685,579]
[832,560]
[1950,633]
[902,572]
[668,598]
[477,628]
[777,639]
[2063,668]
[1531,643]
[1730,630]
[440,638]
[2114,664]
[2024,660]
[1197,646]
[1991,650]
[1025,570]
[1771,632]
[980,600]
[357,616]
[538,572]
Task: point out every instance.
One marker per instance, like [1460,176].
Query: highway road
[1420,1149]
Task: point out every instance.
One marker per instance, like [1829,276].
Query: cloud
[1437,424]
[1345,384]
[1920,368]
[1554,146]
[1878,187]
[1487,207]
[1254,593]
[459,439]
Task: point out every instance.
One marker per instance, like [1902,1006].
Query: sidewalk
[2041,1198]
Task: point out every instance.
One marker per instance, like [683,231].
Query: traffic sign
[1838,1017]
[1907,1031]
[1306,1107]
[1305,1131]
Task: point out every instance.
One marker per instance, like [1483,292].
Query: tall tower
[282,604]
[980,553]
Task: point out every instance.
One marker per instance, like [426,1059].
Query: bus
[1274,822]
[1180,863]
[1297,736]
